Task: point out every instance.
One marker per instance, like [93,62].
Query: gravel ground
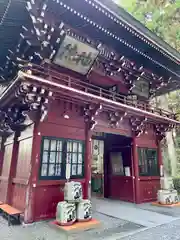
[43,231]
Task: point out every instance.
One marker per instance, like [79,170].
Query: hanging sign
[141,88]
[68,167]
[75,55]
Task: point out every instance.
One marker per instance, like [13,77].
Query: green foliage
[176,182]
[163,18]
[174,102]
[160,16]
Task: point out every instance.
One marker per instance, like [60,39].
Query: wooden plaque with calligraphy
[76,55]
[141,88]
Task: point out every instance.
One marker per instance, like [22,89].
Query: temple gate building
[76,82]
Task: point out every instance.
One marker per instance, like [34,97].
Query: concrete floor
[169,231]
[44,231]
[143,214]
[119,220]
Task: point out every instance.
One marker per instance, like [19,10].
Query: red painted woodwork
[47,196]
[5,173]
[1,159]
[43,196]
[121,187]
[160,158]
[88,157]
[106,81]
[18,195]
[46,199]
[37,198]
[148,188]
[12,169]
[23,167]
[147,139]
[103,126]
[24,158]
[135,171]
[57,126]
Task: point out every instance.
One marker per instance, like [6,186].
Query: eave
[67,86]
[144,32]
[84,95]
[86,16]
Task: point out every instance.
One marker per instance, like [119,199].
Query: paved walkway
[44,231]
[169,231]
[119,220]
[131,212]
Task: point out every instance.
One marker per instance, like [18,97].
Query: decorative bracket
[90,111]
[161,130]
[35,98]
[115,118]
[138,125]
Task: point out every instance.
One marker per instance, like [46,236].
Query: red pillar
[88,159]
[136,171]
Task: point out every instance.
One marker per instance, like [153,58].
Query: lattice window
[75,155]
[148,162]
[55,154]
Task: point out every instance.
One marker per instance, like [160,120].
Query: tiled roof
[13,15]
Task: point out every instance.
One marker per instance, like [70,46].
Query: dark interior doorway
[117,157]
[112,155]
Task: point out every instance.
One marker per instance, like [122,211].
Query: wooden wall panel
[57,126]
[5,172]
[7,160]
[121,188]
[105,81]
[18,196]
[1,160]
[147,139]
[103,126]
[24,158]
[148,188]
[22,172]
[48,193]
[3,190]
[46,199]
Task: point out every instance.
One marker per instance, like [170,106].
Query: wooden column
[136,170]
[29,215]
[88,159]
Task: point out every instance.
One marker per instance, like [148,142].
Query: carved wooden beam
[161,129]
[90,111]
[35,99]
[138,125]
[4,127]
[115,118]
[48,33]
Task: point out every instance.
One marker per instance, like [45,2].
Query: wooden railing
[53,75]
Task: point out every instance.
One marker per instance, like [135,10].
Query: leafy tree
[160,16]
[163,18]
